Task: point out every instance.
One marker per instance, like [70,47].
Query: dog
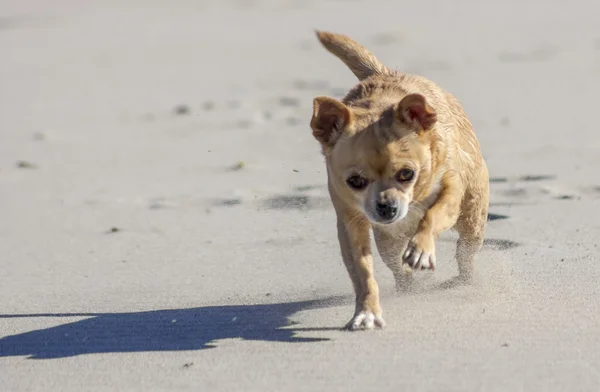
[403,162]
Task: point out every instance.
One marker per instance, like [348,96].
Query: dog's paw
[420,253]
[365,320]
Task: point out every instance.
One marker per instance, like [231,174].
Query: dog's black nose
[387,210]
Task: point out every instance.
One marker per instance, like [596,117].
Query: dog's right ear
[330,118]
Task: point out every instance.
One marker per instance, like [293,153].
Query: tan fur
[389,126]
[362,62]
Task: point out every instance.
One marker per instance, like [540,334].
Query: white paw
[418,259]
[365,320]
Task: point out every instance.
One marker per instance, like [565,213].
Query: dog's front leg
[443,214]
[353,235]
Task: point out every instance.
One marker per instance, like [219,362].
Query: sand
[164,223]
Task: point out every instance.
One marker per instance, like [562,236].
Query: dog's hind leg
[471,228]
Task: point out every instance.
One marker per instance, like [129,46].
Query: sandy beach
[165,223]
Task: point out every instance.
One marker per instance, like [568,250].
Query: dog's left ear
[414,110]
[330,118]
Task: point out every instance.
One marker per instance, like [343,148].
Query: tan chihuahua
[402,159]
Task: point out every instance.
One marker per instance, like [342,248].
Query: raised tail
[360,61]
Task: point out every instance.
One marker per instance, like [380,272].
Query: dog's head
[378,155]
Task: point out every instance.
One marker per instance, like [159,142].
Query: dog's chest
[406,227]
[434,193]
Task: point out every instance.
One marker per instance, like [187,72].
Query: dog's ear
[414,110]
[330,118]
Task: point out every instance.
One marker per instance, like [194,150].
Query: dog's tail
[360,61]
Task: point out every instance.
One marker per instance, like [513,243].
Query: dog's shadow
[171,329]
[160,330]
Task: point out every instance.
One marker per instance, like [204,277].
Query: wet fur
[388,121]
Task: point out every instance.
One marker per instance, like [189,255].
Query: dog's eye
[357,182]
[405,175]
